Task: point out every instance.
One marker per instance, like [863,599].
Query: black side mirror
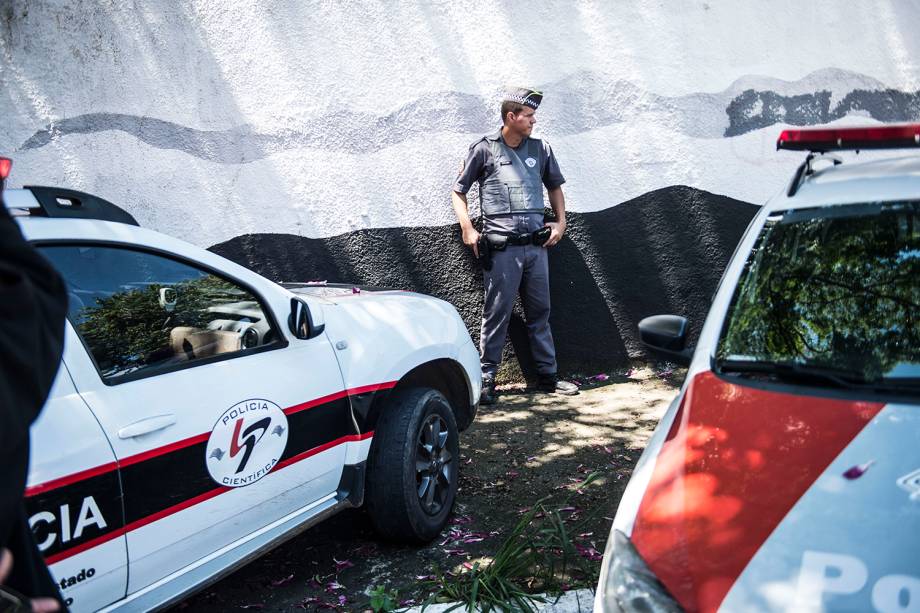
[300,321]
[666,335]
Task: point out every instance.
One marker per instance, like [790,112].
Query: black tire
[412,467]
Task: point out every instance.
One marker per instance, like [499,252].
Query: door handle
[146,426]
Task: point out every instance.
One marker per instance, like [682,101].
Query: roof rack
[818,141]
[57,202]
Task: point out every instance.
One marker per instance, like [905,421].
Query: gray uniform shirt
[479,164]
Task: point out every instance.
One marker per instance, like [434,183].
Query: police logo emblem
[246,442]
[530,162]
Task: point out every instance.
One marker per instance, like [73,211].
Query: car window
[139,313]
[834,287]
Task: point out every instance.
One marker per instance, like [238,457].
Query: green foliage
[130,328]
[539,555]
[834,291]
[382,599]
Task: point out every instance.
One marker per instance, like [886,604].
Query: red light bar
[836,139]
[6,164]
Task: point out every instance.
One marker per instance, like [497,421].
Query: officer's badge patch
[530,162]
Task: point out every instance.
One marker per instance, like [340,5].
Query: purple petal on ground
[356,290]
[341,565]
[258,607]
[531,458]
[408,602]
[424,577]
[343,600]
[512,474]
[858,471]
[589,552]
[459,520]
[333,586]
[282,581]
[601,377]
[567,509]
[455,552]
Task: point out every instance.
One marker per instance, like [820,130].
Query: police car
[203,413]
[786,474]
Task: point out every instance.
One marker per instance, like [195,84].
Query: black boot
[487,396]
[552,385]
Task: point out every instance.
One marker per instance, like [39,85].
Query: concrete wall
[314,140]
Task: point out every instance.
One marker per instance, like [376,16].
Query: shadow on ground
[525,448]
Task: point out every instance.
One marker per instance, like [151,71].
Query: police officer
[512,168]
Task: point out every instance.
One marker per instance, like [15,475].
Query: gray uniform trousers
[523,268]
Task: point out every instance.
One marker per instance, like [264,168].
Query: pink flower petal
[858,471]
[341,565]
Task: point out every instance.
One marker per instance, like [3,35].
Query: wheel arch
[448,377]
[442,374]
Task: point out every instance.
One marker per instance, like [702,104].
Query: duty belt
[500,240]
[513,238]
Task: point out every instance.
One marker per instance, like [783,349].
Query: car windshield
[832,293]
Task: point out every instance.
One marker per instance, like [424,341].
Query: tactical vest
[513,186]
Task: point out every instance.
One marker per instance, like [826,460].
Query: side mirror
[300,321]
[666,335]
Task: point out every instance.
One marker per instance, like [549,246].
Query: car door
[220,420]
[73,499]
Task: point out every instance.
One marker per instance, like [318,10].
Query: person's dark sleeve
[552,175]
[473,167]
[33,303]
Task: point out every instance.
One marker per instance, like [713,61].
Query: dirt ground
[525,448]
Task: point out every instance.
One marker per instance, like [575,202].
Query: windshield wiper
[839,377]
[793,370]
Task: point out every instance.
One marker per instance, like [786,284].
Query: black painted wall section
[663,252]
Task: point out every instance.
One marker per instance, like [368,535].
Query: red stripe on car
[194,440]
[185,504]
[734,463]
[70,479]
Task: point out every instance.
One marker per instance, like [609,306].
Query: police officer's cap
[523,95]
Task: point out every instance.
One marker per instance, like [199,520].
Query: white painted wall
[208,119]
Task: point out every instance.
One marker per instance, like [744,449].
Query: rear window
[835,288]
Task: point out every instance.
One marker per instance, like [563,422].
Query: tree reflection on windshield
[830,288]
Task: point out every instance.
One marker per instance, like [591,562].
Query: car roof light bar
[820,140]
[6,164]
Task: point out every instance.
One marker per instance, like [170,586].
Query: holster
[485,253]
[539,237]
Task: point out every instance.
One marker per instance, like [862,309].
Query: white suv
[203,413]
[786,475]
